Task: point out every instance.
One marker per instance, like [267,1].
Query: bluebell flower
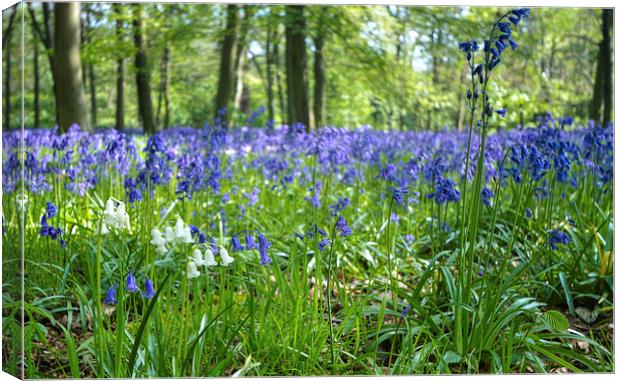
[501,112]
[468,47]
[263,246]
[51,210]
[394,218]
[389,172]
[445,192]
[521,13]
[398,194]
[405,311]
[249,242]
[342,227]
[323,243]
[148,286]
[504,27]
[513,44]
[236,244]
[314,200]
[557,237]
[565,121]
[131,285]
[110,296]
[197,233]
[487,195]
[528,212]
[44,227]
[339,206]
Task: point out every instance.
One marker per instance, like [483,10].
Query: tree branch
[9,28]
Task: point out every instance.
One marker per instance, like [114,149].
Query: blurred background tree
[394,67]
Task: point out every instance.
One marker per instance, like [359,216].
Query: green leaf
[567,293]
[451,357]
[556,320]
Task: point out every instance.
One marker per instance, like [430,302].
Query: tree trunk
[276,62]
[603,87]
[608,20]
[143,80]
[119,122]
[296,73]
[319,71]
[240,56]
[6,47]
[225,80]
[71,105]
[46,38]
[93,95]
[597,92]
[164,84]
[35,64]
[91,76]
[268,64]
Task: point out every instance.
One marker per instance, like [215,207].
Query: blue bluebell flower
[342,227]
[263,246]
[249,242]
[51,210]
[405,311]
[487,195]
[131,285]
[150,290]
[557,237]
[445,191]
[323,243]
[398,194]
[236,244]
[110,296]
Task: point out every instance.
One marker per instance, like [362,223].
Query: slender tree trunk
[608,20]
[276,62]
[6,47]
[268,64]
[319,71]
[597,91]
[296,74]
[82,42]
[225,80]
[143,78]
[7,33]
[93,95]
[164,84]
[69,87]
[35,64]
[119,122]
[92,85]
[240,56]
[603,88]
[47,39]
[7,84]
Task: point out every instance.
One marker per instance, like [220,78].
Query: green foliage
[556,320]
[392,67]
